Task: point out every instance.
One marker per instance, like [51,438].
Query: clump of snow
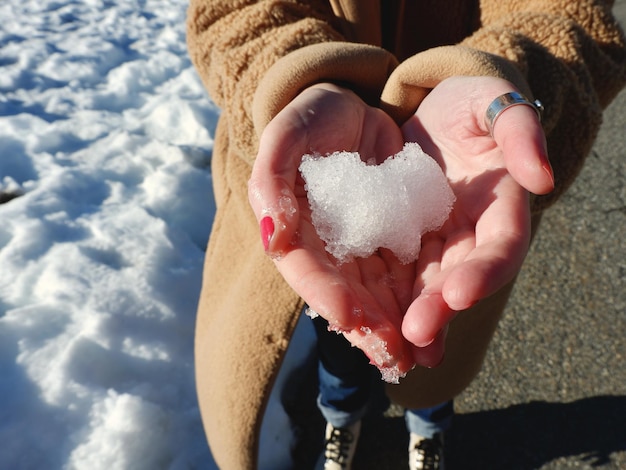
[358,208]
[376,349]
[312,314]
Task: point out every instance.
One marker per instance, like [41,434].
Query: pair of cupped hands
[399,313]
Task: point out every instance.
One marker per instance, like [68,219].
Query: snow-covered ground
[106,136]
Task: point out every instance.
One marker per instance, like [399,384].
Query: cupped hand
[482,245]
[398,314]
[355,297]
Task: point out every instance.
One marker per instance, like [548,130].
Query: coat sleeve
[570,55]
[233,45]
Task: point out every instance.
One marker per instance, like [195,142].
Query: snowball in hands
[358,208]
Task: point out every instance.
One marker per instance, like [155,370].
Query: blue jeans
[348,385]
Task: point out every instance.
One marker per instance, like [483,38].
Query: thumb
[271,195]
[276,210]
[520,136]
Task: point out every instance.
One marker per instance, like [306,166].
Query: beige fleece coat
[255,56]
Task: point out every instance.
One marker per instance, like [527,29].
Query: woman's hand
[484,242]
[355,297]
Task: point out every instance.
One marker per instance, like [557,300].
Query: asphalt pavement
[552,393]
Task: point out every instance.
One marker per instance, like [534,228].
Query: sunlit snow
[105,146]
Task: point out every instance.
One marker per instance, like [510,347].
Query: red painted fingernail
[548,169]
[267,231]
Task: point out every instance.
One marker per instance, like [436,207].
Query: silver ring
[503,102]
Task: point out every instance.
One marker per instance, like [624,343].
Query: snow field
[106,136]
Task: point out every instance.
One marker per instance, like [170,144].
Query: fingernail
[443,333]
[438,363]
[267,231]
[545,163]
[548,169]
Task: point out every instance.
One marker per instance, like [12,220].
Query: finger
[428,262]
[378,282]
[425,318]
[502,238]
[272,182]
[322,286]
[480,277]
[400,278]
[276,209]
[519,135]
[432,355]
[383,344]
